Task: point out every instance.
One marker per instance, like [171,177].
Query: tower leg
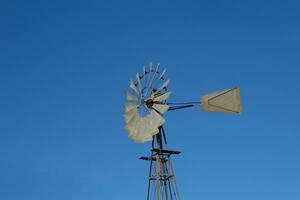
[161,180]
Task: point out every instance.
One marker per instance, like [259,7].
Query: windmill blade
[145,80]
[160,88]
[228,101]
[131,97]
[161,107]
[153,78]
[138,81]
[140,130]
[130,114]
[140,138]
[130,106]
[162,97]
[150,130]
[145,137]
[132,86]
[143,131]
[156,119]
[130,126]
[144,70]
[162,74]
[144,75]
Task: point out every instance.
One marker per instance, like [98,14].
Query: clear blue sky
[64,67]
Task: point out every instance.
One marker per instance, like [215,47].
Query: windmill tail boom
[176,106]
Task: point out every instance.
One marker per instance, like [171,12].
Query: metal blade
[161,107]
[130,106]
[139,82]
[130,126]
[156,119]
[130,114]
[141,129]
[163,73]
[131,97]
[144,69]
[162,97]
[160,88]
[153,77]
[143,132]
[132,86]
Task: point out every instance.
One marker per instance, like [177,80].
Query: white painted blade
[161,107]
[131,97]
[162,97]
[141,138]
[161,87]
[130,114]
[138,81]
[153,77]
[130,126]
[130,106]
[144,69]
[143,132]
[141,129]
[156,119]
[156,68]
[132,86]
[163,73]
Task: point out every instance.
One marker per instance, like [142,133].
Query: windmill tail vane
[146,103]
[227,100]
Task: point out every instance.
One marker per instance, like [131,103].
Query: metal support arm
[176,106]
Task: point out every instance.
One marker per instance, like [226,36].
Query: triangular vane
[228,101]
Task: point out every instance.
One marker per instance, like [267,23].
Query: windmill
[144,109]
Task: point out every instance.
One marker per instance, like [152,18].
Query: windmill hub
[149,103]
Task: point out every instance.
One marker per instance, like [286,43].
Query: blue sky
[64,67]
